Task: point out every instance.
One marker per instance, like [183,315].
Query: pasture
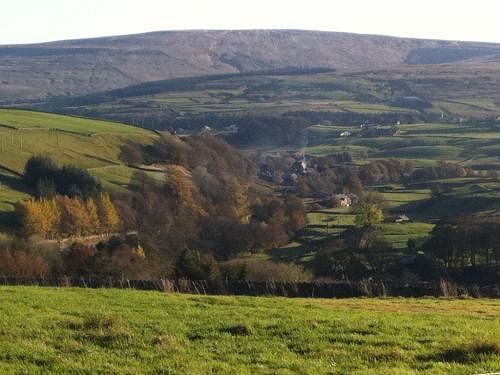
[86,143]
[69,330]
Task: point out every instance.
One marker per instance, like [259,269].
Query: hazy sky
[27,21]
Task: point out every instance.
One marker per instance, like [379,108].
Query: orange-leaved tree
[108,215]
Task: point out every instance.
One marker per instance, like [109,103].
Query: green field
[359,93]
[424,143]
[49,330]
[91,144]
[331,222]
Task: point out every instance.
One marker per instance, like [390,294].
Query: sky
[31,21]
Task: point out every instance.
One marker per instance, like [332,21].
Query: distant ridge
[86,66]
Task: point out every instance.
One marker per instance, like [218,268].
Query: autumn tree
[368,215]
[74,217]
[94,223]
[129,261]
[40,217]
[296,213]
[108,216]
[182,189]
[21,263]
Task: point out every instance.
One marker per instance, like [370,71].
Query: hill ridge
[85,66]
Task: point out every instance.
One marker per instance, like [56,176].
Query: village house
[299,167]
[267,173]
[205,130]
[342,200]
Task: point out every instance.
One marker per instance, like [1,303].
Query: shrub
[271,271]
[195,266]
[20,263]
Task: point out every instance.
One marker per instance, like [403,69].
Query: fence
[317,289]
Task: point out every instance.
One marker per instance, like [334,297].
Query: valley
[250,201]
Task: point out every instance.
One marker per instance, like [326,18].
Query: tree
[369,215]
[182,189]
[40,217]
[131,154]
[20,263]
[76,182]
[296,213]
[93,216]
[45,188]
[52,216]
[78,259]
[192,265]
[31,217]
[129,261]
[75,219]
[109,218]
[39,168]
[46,179]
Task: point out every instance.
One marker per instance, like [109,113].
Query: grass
[330,222]
[397,195]
[49,330]
[21,119]
[398,234]
[86,143]
[359,93]
[425,143]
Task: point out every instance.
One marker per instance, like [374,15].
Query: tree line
[394,170]
[467,241]
[207,207]
[62,216]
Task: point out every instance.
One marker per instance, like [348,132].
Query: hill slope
[91,65]
[90,144]
[406,93]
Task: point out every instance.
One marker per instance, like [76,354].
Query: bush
[20,263]
[195,266]
[269,271]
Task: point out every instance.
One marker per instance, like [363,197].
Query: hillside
[48,330]
[78,67]
[91,144]
[450,92]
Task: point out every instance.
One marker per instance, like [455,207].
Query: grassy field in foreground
[49,330]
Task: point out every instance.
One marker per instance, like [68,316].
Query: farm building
[266,172]
[299,167]
[401,219]
[205,129]
[342,200]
